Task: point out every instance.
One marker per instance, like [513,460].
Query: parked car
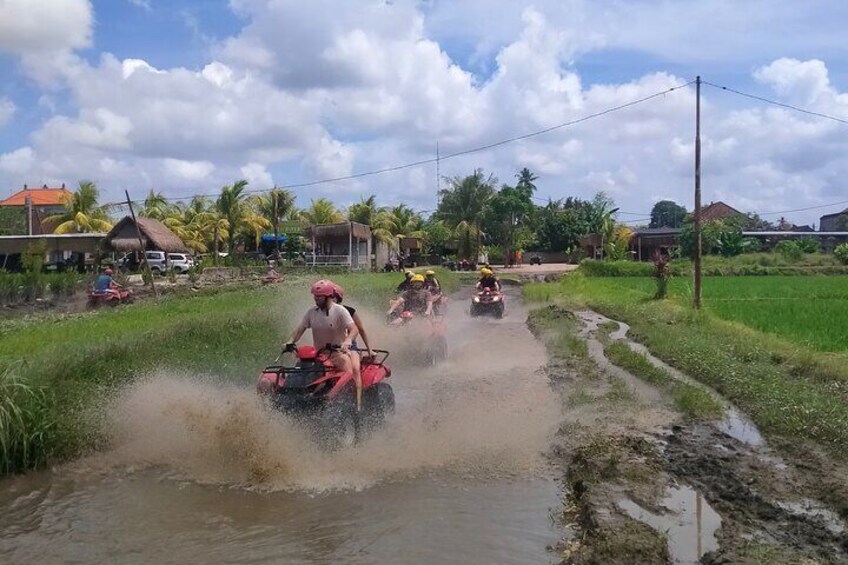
[180,262]
[156,260]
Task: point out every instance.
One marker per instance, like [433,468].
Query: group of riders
[338,325]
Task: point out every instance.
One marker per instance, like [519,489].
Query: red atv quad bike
[426,331]
[488,301]
[111,297]
[324,398]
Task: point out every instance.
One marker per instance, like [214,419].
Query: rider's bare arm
[351,335]
[361,329]
[297,333]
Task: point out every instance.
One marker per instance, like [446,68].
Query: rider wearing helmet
[432,285]
[355,359]
[488,280]
[415,299]
[332,326]
[404,284]
[105,284]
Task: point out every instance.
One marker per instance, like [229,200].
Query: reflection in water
[689,522]
[201,471]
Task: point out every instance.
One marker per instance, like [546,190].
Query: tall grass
[25,423]
[72,360]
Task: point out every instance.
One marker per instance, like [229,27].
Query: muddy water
[201,470]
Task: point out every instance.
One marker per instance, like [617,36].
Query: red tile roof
[40,197]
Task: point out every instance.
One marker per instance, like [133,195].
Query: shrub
[789,250]
[662,274]
[841,253]
[595,268]
[25,423]
[808,244]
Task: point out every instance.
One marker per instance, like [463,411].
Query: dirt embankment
[643,483]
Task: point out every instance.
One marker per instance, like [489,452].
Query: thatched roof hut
[154,236]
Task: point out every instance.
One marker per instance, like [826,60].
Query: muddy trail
[201,470]
[643,484]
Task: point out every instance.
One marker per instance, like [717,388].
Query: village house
[38,204]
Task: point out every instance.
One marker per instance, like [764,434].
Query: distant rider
[333,326]
[404,284]
[488,280]
[432,285]
[105,284]
[414,299]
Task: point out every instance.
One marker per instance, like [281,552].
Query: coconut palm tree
[156,206]
[321,211]
[230,205]
[463,205]
[364,211]
[82,212]
[275,207]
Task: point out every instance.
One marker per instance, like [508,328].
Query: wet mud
[200,469]
[641,484]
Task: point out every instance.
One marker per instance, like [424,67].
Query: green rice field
[808,310]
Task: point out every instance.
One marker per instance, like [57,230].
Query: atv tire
[385,398]
[499,311]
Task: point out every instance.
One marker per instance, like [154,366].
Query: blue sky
[185,96]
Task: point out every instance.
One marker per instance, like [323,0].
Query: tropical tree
[601,214]
[82,212]
[321,211]
[230,205]
[560,223]
[275,207]
[462,207]
[364,211]
[157,207]
[667,214]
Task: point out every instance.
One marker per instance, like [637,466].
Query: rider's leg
[356,364]
[344,362]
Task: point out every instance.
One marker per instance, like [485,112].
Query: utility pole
[697,298]
[141,245]
[438,178]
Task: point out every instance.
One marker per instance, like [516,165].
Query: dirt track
[630,461]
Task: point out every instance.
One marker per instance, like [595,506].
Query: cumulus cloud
[44,33]
[330,89]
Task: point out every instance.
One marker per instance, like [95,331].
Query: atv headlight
[476,300]
[495,298]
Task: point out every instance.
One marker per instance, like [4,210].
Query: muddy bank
[645,484]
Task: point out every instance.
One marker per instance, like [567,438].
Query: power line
[463,152]
[775,103]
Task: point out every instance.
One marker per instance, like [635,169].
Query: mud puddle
[203,471]
[711,492]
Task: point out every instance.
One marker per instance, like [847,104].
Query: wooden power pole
[697,298]
[141,245]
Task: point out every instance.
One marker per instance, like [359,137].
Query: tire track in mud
[625,465]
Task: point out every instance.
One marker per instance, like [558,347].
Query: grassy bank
[787,388]
[66,362]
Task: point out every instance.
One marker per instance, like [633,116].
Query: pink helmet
[323,288]
[107,271]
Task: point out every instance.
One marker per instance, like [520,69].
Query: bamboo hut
[155,236]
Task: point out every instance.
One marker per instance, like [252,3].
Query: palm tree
[230,205]
[462,207]
[275,207]
[156,206]
[82,212]
[321,211]
[526,181]
[364,211]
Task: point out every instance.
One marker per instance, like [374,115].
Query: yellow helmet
[430,273]
[485,272]
[417,278]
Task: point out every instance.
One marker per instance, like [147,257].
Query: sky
[185,96]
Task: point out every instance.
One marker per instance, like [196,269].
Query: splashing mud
[486,412]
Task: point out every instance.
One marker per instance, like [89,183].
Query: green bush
[789,250]
[808,244]
[841,253]
[595,268]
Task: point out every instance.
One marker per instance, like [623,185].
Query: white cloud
[44,33]
[17,162]
[188,170]
[7,110]
[328,89]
